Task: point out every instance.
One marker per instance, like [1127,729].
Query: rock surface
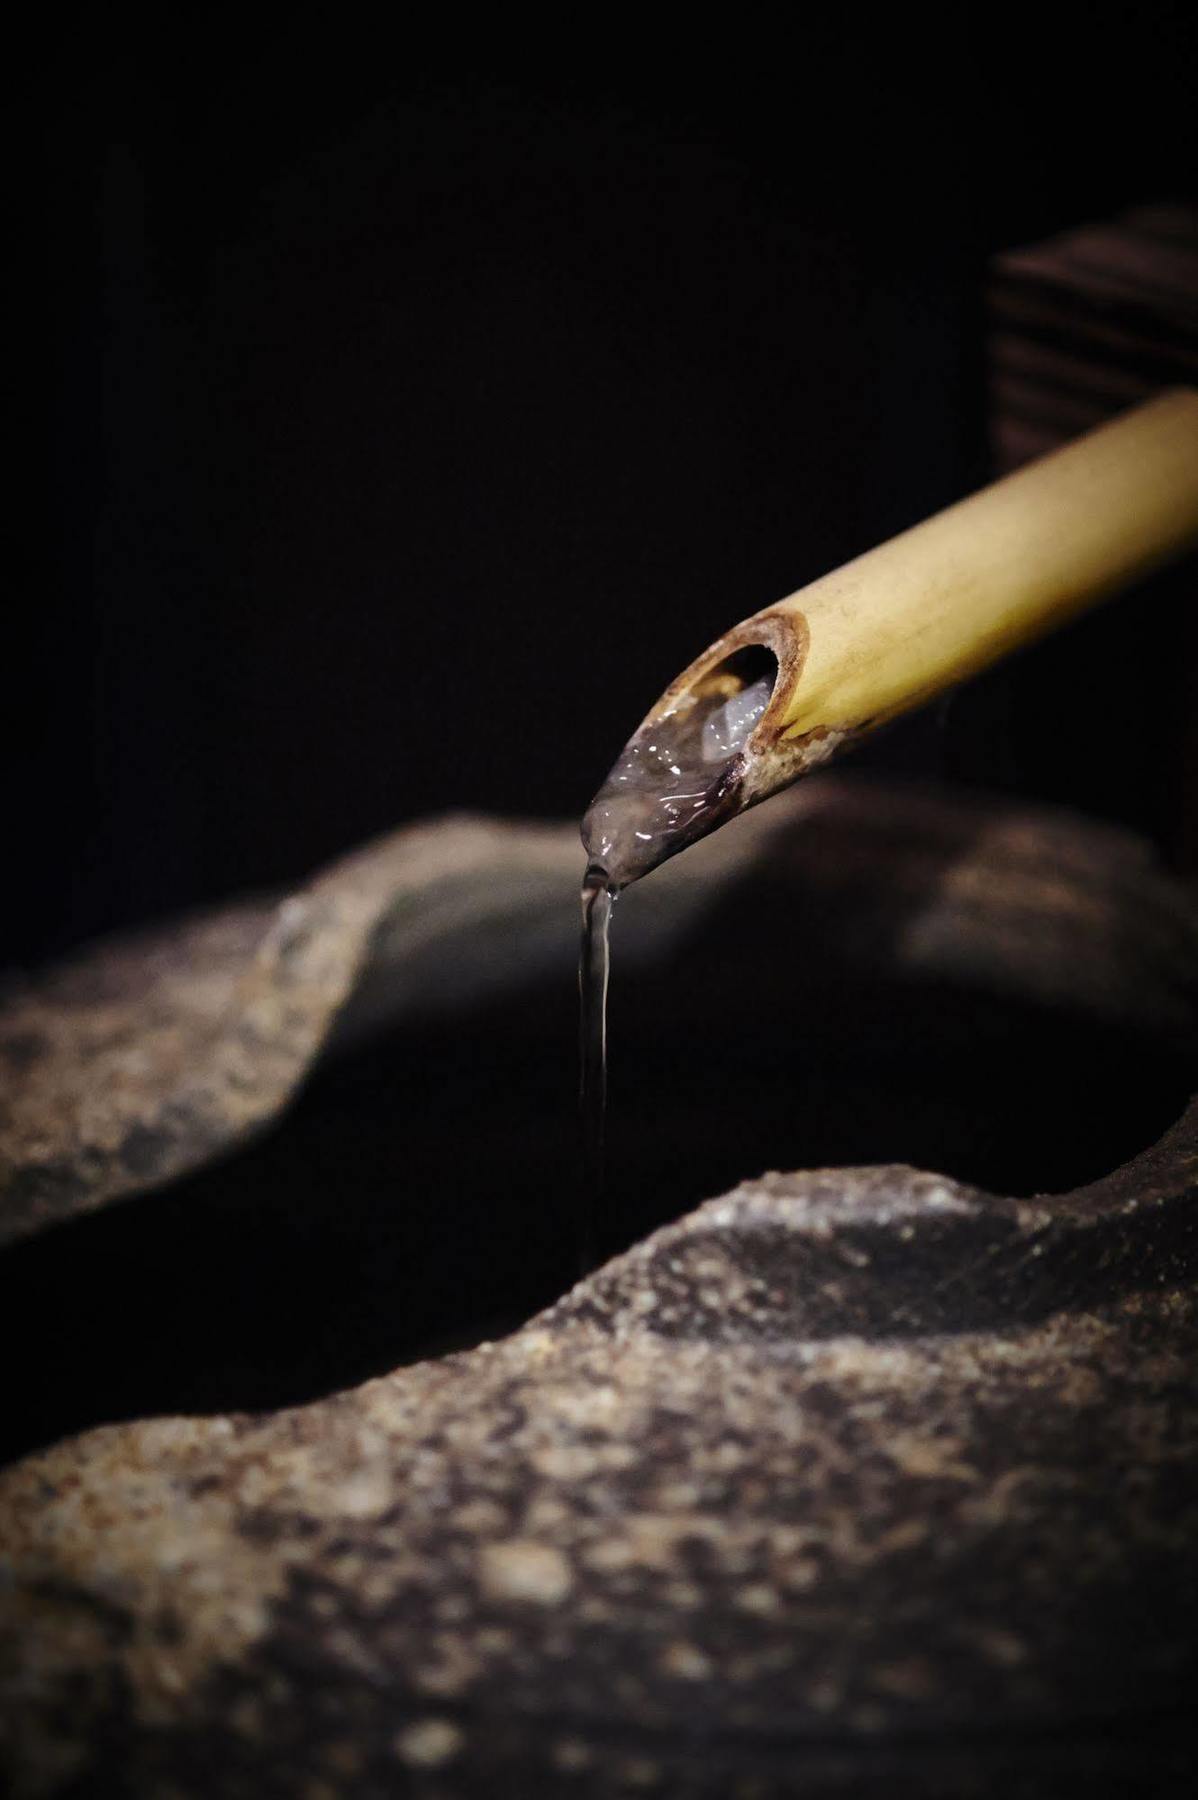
[146,1056]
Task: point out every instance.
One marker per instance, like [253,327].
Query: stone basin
[876,1473]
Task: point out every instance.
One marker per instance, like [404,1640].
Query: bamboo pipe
[895,627]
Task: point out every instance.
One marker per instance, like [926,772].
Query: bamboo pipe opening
[686,768]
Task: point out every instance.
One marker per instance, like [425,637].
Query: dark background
[412,412]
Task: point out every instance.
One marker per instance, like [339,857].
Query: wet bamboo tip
[893,628]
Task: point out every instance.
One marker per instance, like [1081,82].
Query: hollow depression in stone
[1005,996]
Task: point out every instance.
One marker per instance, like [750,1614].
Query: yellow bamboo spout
[788,688]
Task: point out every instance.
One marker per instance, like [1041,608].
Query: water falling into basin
[662,788]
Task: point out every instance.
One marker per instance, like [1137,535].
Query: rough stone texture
[143,1057]
[755,1486]
[853,1481]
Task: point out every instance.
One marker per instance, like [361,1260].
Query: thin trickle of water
[598,899]
[668,778]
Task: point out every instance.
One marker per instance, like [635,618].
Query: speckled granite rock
[854,1482]
[824,1463]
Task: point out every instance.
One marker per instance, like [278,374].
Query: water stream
[653,802]
[593,968]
